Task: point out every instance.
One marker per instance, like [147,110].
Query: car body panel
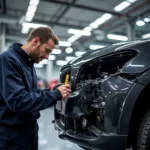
[119,91]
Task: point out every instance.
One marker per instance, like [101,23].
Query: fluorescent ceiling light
[52,57]
[146,36]
[73,38]
[38,65]
[94,25]
[56,51]
[147,19]
[68,58]
[60,62]
[131,1]
[79,53]
[81,32]
[25,30]
[32,25]
[122,6]
[64,43]
[31,9]
[99,21]
[69,50]
[94,47]
[140,23]
[87,29]
[117,37]
[106,16]
[29,16]
[34,2]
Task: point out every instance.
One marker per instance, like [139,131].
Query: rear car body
[106,84]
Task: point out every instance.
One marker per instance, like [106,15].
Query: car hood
[78,61]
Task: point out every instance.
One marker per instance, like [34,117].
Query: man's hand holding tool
[65,89]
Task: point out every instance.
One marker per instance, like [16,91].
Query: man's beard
[35,57]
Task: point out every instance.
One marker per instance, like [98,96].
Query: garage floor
[48,138]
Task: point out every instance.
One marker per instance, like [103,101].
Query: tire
[143,134]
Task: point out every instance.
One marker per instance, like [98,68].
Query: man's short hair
[44,33]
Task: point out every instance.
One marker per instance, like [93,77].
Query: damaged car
[108,108]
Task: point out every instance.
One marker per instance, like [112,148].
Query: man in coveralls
[20,99]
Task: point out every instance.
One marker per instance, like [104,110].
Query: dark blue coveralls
[21,100]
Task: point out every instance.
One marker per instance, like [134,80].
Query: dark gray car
[109,105]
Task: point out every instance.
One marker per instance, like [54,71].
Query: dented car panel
[104,82]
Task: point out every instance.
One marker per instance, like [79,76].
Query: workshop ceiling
[63,15]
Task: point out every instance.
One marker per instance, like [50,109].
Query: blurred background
[81,25]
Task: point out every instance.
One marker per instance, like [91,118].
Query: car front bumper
[105,141]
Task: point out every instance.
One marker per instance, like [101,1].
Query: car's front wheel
[143,136]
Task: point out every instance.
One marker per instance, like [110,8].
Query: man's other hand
[65,90]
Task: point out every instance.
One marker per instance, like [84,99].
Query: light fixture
[25,30]
[87,29]
[34,2]
[131,1]
[29,16]
[56,51]
[99,21]
[73,38]
[68,58]
[106,16]
[60,62]
[31,8]
[117,37]
[32,25]
[140,23]
[146,36]
[64,43]
[52,57]
[79,53]
[69,50]
[122,6]
[147,19]
[94,47]
[94,25]
[82,32]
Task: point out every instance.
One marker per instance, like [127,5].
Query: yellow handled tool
[67,79]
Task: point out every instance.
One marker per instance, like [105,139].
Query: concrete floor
[48,137]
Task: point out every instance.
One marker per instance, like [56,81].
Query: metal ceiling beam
[4,6]
[15,38]
[84,7]
[123,24]
[108,24]
[64,11]
[15,20]
[8,19]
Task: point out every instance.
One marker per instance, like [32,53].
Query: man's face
[41,52]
